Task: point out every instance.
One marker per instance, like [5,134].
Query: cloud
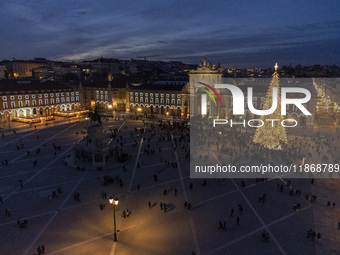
[174,30]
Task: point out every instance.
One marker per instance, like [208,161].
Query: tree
[271,134]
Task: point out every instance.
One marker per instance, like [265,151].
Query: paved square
[67,226]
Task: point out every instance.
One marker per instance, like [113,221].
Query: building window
[77,98]
[27,103]
[146,94]
[101,97]
[178,96]
[12,97]
[45,95]
[72,99]
[136,99]
[131,99]
[156,101]
[62,94]
[136,94]
[67,99]
[33,96]
[172,101]
[57,100]
[67,94]
[151,94]
[4,98]
[72,93]
[167,95]
[19,97]
[40,101]
[141,99]
[51,95]
[162,95]
[146,100]
[151,100]
[52,100]
[46,101]
[156,95]
[167,101]
[63,100]
[178,101]
[101,92]
[57,95]
[173,95]
[27,96]
[162,100]
[77,93]
[5,105]
[12,104]
[106,97]
[40,96]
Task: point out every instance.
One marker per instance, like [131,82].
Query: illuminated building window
[172,101]
[141,99]
[136,99]
[40,102]
[12,104]
[46,101]
[52,100]
[156,101]
[162,100]
[5,106]
[178,101]
[57,100]
[167,101]
[77,98]
[131,99]
[27,103]
[72,99]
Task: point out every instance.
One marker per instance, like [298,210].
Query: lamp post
[114,202]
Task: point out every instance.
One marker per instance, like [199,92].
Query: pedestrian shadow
[153,205]
[170,207]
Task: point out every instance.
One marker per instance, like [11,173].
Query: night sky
[233,33]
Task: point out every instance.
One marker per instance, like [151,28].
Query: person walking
[39,250]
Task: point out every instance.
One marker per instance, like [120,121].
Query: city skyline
[240,35]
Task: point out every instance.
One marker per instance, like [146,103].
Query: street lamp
[114,202]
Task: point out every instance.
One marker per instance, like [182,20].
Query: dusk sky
[233,33]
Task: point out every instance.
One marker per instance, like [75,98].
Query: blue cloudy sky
[233,33]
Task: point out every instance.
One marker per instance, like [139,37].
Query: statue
[95,117]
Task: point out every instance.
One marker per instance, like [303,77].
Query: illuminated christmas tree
[272,134]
